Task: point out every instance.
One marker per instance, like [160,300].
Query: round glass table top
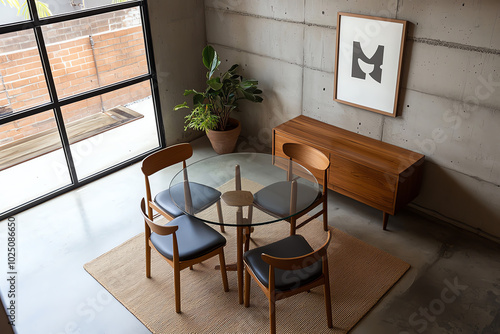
[271,180]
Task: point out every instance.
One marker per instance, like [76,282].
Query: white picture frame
[368,61]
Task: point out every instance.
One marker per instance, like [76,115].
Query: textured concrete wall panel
[275,39]
[292,10]
[462,75]
[324,12]
[319,48]
[460,199]
[319,104]
[468,22]
[459,137]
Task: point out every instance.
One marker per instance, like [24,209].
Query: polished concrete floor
[453,285]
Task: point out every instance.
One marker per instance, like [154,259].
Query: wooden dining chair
[195,197]
[286,268]
[283,199]
[183,242]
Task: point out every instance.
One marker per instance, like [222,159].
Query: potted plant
[212,108]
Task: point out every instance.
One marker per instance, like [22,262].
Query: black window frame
[56,103]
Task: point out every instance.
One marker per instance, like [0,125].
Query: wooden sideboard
[381,175]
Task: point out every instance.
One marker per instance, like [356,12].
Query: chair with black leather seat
[199,197]
[286,268]
[283,199]
[183,242]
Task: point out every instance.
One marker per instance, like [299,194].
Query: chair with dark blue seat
[193,196]
[288,197]
[286,268]
[183,242]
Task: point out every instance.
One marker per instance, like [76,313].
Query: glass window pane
[11,12]
[111,128]
[32,161]
[22,81]
[57,7]
[89,53]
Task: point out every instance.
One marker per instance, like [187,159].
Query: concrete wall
[450,94]
[178,32]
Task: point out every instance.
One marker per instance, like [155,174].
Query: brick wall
[118,53]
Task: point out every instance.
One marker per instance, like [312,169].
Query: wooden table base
[242,245]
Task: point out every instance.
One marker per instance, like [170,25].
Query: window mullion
[55,100]
[33,12]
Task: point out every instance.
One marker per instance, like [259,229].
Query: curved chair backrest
[307,155]
[301,281]
[158,229]
[299,262]
[166,157]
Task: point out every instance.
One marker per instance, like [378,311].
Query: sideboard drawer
[370,186]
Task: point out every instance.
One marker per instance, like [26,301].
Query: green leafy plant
[213,107]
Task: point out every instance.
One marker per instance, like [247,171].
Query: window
[78,96]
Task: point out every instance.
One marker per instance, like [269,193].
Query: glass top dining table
[233,181]
[256,170]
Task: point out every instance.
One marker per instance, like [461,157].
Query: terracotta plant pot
[225,141]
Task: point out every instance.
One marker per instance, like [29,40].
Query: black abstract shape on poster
[376,61]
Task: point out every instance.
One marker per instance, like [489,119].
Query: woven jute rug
[360,275]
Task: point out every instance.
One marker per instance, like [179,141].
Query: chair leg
[148,258]
[177,288]
[328,304]
[325,216]
[223,270]
[293,225]
[221,219]
[247,288]
[272,314]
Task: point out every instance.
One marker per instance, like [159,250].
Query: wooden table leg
[239,198]
[238,266]
[241,234]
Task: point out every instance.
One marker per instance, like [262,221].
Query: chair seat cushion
[292,246]
[194,239]
[202,197]
[275,198]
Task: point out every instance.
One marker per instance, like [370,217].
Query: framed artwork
[368,62]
